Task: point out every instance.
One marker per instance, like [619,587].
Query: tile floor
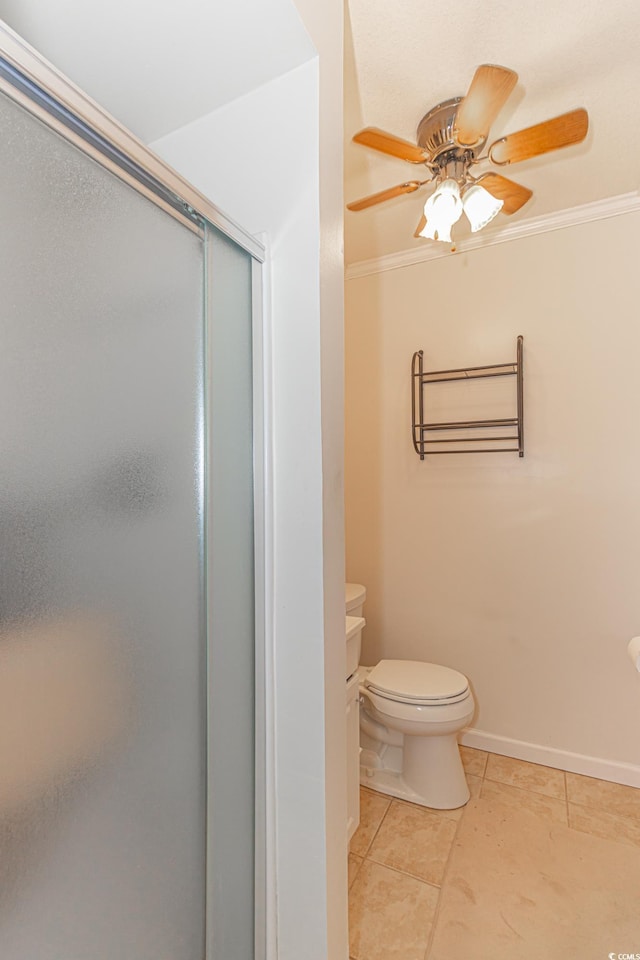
[400,854]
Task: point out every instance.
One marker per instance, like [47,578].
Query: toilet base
[407,772]
[390,783]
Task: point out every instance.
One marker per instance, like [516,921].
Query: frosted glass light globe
[480,207]
[442,210]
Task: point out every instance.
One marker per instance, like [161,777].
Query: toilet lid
[413,681]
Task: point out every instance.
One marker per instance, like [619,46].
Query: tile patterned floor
[400,855]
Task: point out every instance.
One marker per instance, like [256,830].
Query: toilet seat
[416,682]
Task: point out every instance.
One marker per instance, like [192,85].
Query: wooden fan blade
[389,194]
[421,225]
[488,93]
[562,131]
[387,143]
[513,195]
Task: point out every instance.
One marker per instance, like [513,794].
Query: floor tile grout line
[566,773]
[517,786]
[405,873]
[470,773]
[603,808]
[420,806]
[445,874]
[350,883]
[521,789]
[614,816]
[377,830]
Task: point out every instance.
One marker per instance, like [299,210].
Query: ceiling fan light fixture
[442,210]
[451,138]
[480,207]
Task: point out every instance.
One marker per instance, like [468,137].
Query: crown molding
[586,213]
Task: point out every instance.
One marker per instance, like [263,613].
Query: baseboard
[612,770]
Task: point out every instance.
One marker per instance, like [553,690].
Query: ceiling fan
[450,140]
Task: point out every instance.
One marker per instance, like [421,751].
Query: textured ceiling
[403,57]
[156,65]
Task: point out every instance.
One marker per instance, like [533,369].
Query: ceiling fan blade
[513,195]
[421,225]
[562,131]
[387,143]
[389,194]
[488,93]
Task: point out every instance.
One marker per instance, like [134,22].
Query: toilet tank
[355,595]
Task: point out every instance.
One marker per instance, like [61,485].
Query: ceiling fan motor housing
[435,136]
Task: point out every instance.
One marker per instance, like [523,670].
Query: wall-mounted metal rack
[423,440]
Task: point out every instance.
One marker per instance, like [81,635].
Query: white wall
[521,573]
[325,25]
[258,159]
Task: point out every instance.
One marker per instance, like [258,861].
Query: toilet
[410,714]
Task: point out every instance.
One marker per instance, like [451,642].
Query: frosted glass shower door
[102,591]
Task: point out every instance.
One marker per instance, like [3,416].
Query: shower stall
[131,772]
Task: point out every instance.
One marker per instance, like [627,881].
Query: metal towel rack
[421,430]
